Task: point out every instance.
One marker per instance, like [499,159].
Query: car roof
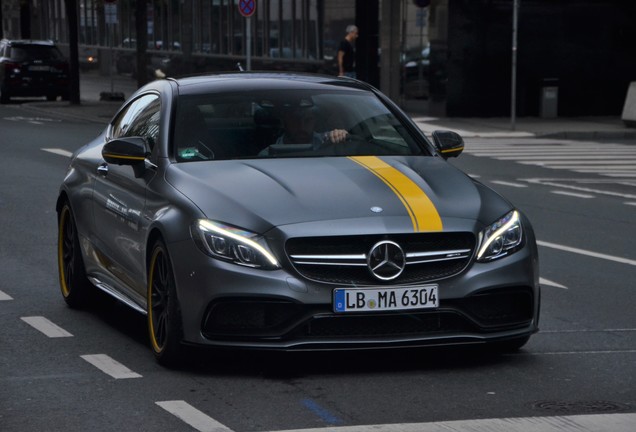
[29,42]
[245,81]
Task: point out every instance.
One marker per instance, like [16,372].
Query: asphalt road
[66,370]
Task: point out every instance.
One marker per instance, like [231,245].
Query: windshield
[288,123]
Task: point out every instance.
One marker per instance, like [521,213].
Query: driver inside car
[299,127]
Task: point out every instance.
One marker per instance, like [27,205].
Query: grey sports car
[283,211]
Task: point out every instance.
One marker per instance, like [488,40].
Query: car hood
[391,194]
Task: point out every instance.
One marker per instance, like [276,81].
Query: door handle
[102,169]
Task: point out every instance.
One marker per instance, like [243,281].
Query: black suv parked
[32,68]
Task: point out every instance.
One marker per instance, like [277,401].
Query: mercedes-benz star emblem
[386,260]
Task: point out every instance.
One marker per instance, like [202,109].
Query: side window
[141,118]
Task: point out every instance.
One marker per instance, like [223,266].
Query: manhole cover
[580,406]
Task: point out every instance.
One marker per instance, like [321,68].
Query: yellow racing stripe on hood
[418,205]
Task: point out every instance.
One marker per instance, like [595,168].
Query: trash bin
[549,98]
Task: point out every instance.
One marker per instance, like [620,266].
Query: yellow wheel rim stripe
[418,205]
[65,214]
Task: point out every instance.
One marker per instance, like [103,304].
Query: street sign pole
[247,9]
[248,34]
[513,92]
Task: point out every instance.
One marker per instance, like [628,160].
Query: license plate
[385,299]
[39,68]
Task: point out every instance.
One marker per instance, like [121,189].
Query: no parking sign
[247,7]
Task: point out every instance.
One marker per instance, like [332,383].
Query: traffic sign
[247,7]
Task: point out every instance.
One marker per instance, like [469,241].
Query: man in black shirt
[346,53]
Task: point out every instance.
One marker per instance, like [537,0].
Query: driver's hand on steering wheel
[336,136]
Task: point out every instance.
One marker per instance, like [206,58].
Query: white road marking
[192,416]
[547,282]
[45,326]
[568,161]
[573,194]
[561,184]
[613,160]
[587,253]
[596,168]
[591,330]
[630,203]
[58,151]
[35,120]
[511,184]
[620,175]
[110,366]
[5,296]
[621,422]
[568,157]
[555,353]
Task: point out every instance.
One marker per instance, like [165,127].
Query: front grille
[344,260]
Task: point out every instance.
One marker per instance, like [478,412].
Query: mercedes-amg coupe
[291,211]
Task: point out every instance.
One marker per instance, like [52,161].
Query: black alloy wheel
[164,313]
[75,286]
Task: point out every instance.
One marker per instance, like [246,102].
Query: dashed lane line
[192,416]
[587,253]
[572,194]
[511,184]
[560,184]
[546,282]
[110,366]
[45,326]
[58,151]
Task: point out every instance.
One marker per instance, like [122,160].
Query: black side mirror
[448,143]
[126,151]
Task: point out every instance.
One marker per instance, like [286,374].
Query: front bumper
[227,305]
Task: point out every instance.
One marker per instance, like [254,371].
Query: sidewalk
[93,109]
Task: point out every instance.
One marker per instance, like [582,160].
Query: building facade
[450,58]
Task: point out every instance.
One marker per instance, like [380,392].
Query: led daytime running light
[514,220]
[205,225]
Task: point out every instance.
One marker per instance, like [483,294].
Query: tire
[165,327]
[76,288]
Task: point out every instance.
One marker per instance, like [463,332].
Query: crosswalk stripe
[546,161]
[612,160]
[5,296]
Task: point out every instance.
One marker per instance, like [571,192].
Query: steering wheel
[347,147]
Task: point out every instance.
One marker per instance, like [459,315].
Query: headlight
[501,238]
[233,244]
